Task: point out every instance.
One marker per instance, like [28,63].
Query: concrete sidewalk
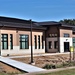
[20,65]
[45,54]
[48,71]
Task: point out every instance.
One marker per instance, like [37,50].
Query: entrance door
[66,46]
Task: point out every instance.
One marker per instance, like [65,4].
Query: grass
[62,65]
[64,72]
[2,73]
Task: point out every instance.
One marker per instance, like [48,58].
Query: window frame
[73,39]
[26,42]
[66,35]
[3,41]
[55,44]
[50,44]
[53,35]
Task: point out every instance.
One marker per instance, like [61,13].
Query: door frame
[66,49]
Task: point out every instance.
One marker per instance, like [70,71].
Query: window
[66,35]
[35,41]
[11,41]
[42,43]
[56,35]
[55,44]
[4,41]
[52,35]
[74,42]
[39,41]
[24,42]
[50,44]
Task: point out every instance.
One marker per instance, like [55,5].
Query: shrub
[65,64]
[49,66]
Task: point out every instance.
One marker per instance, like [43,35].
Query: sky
[38,10]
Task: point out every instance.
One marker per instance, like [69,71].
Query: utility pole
[31,42]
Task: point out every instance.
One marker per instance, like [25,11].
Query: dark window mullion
[20,44]
[42,43]
[35,41]
[7,41]
[39,41]
[11,41]
[3,45]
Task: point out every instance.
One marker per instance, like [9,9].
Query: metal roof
[47,23]
[18,23]
[16,20]
[68,25]
[51,23]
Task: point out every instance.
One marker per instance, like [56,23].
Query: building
[51,37]
[58,37]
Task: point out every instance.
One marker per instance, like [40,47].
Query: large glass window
[4,41]
[55,44]
[53,35]
[50,44]
[66,35]
[35,41]
[39,41]
[11,41]
[74,42]
[24,42]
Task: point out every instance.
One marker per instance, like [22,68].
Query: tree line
[68,21]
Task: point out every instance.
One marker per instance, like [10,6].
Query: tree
[68,21]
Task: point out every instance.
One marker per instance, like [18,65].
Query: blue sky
[38,10]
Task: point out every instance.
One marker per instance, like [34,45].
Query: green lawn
[64,72]
[1,73]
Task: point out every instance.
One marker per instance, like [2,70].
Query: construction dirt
[41,61]
[8,69]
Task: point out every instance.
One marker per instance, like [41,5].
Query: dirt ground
[40,61]
[8,69]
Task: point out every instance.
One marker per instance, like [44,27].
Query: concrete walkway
[45,54]
[20,65]
[49,71]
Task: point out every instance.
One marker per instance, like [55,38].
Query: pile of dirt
[41,61]
[8,69]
